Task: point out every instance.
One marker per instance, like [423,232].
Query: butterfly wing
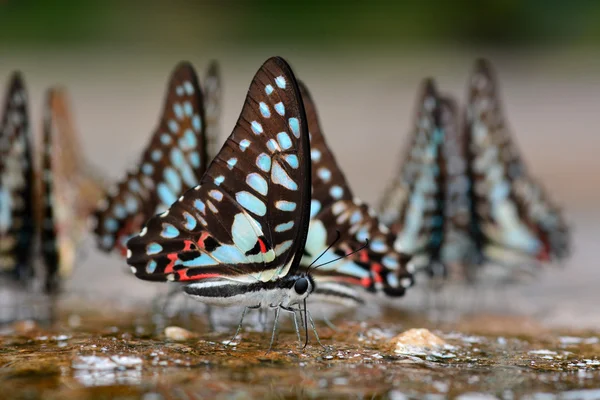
[460,251]
[172,163]
[248,218]
[213,89]
[69,191]
[334,209]
[17,224]
[413,204]
[514,215]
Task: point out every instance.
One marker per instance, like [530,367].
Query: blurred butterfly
[413,205]
[173,162]
[348,265]
[238,237]
[514,221]
[57,205]
[492,211]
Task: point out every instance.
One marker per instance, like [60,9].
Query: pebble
[178,334]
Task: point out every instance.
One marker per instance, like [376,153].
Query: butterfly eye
[301,285]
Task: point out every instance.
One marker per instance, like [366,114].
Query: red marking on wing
[169,267]
[203,236]
[363,256]
[263,247]
[187,245]
[183,276]
[366,282]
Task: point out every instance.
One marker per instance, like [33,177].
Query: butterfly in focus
[347,266]
[489,209]
[239,236]
[50,207]
[173,162]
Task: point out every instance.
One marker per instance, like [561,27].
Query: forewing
[173,162]
[512,210]
[16,184]
[248,219]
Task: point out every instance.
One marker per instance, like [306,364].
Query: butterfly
[173,162]
[514,221]
[50,206]
[492,212]
[348,264]
[239,236]
[70,189]
[17,219]
[413,204]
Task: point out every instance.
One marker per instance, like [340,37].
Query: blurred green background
[316,25]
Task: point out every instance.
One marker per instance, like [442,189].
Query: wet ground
[99,353]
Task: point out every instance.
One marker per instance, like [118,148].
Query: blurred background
[363,62]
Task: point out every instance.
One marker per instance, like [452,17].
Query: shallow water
[88,354]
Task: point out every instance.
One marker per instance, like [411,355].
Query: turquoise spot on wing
[172,178]
[188,140]
[268,89]
[231,163]
[256,128]
[284,140]
[196,123]
[187,108]
[315,155]
[173,126]
[336,192]
[151,267]
[294,126]
[190,221]
[244,143]
[390,262]
[147,169]
[219,179]
[263,162]
[292,160]
[111,225]
[324,174]
[284,227]
[315,207]
[284,205]
[251,203]
[156,155]
[178,110]
[258,183]
[280,177]
[194,159]
[119,211]
[200,206]
[131,204]
[264,109]
[280,81]
[272,145]
[165,194]
[169,231]
[153,248]
[165,138]
[280,108]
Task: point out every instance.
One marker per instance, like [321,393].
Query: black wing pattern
[248,218]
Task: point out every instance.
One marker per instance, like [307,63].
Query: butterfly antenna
[345,255]
[338,235]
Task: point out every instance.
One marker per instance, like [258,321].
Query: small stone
[417,342]
[178,334]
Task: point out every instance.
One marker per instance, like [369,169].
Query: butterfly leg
[312,324]
[330,324]
[293,311]
[274,328]
[239,328]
